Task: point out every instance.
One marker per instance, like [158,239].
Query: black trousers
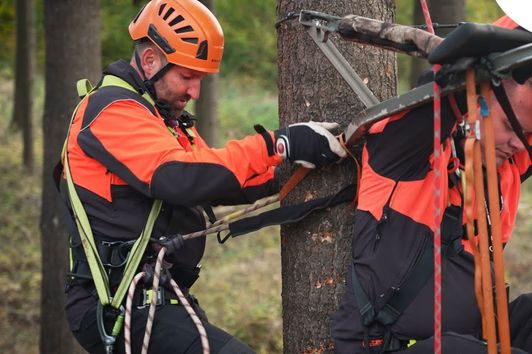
[453,343]
[173,332]
[520,313]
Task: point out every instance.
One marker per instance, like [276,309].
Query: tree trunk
[73,52]
[207,104]
[448,12]
[316,252]
[24,77]
[442,12]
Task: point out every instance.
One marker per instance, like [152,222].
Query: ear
[150,61]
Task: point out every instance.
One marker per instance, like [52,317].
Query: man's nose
[193,89]
[515,143]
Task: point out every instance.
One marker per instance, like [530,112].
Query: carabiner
[109,339]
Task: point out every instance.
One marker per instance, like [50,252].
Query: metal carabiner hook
[109,339]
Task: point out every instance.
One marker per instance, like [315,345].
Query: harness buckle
[114,253]
[147,296]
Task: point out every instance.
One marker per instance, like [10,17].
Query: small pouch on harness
[185,277]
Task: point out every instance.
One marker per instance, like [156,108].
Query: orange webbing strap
[293,181]
[474,178]
[358,168]
[302,172]
[496,233]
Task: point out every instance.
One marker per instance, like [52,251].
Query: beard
[174,106]
[173,100]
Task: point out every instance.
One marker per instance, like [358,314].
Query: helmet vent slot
[168,13]
[193,40]
[202,50]
[159,40]
[176,20]
[161,9]
[184,29]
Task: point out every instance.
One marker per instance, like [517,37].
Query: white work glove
[309,144]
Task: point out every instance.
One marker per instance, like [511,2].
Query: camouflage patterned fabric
[399,38]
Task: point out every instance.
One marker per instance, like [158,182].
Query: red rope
[437,196]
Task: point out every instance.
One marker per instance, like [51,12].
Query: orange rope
[474,176]
[496,233]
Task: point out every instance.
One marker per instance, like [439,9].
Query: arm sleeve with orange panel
[136,145]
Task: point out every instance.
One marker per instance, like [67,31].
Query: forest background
[240,285]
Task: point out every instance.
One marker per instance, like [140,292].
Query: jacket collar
[126,72]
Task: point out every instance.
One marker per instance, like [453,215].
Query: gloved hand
[309,144]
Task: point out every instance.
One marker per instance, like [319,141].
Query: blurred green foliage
[249,28]
[115,18]
[245,104]
[250,39]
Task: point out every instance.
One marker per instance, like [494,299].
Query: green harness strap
[99,275]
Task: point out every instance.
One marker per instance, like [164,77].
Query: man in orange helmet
[131,143]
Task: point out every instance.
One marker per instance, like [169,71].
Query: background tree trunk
[316,252]
[207,110]
[207,105]
[443,12]
[73,52]
[24,77]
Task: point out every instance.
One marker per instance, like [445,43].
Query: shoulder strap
[101,280]
[111,80]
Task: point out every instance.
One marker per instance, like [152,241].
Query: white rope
[222,224]
[129,303]
[151,312]
[193,316]
[153,303]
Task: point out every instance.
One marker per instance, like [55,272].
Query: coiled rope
[151,312]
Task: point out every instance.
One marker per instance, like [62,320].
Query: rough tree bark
[24,78]
[207,105]
[444,12]
[73,52]
[316,252]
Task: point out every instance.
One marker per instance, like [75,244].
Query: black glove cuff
[267,138]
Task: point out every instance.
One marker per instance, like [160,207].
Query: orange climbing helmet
[185,31]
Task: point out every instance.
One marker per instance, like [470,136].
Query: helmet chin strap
[163,108]
[504,102]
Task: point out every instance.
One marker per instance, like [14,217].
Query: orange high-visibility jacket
[122,156]
[394,227]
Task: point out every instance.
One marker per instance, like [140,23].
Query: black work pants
[453,343]
[173,332]
[520,313]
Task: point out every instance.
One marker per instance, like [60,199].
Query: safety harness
[110,300]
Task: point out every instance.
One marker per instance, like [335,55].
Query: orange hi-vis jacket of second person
[394,228]
[122,157]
